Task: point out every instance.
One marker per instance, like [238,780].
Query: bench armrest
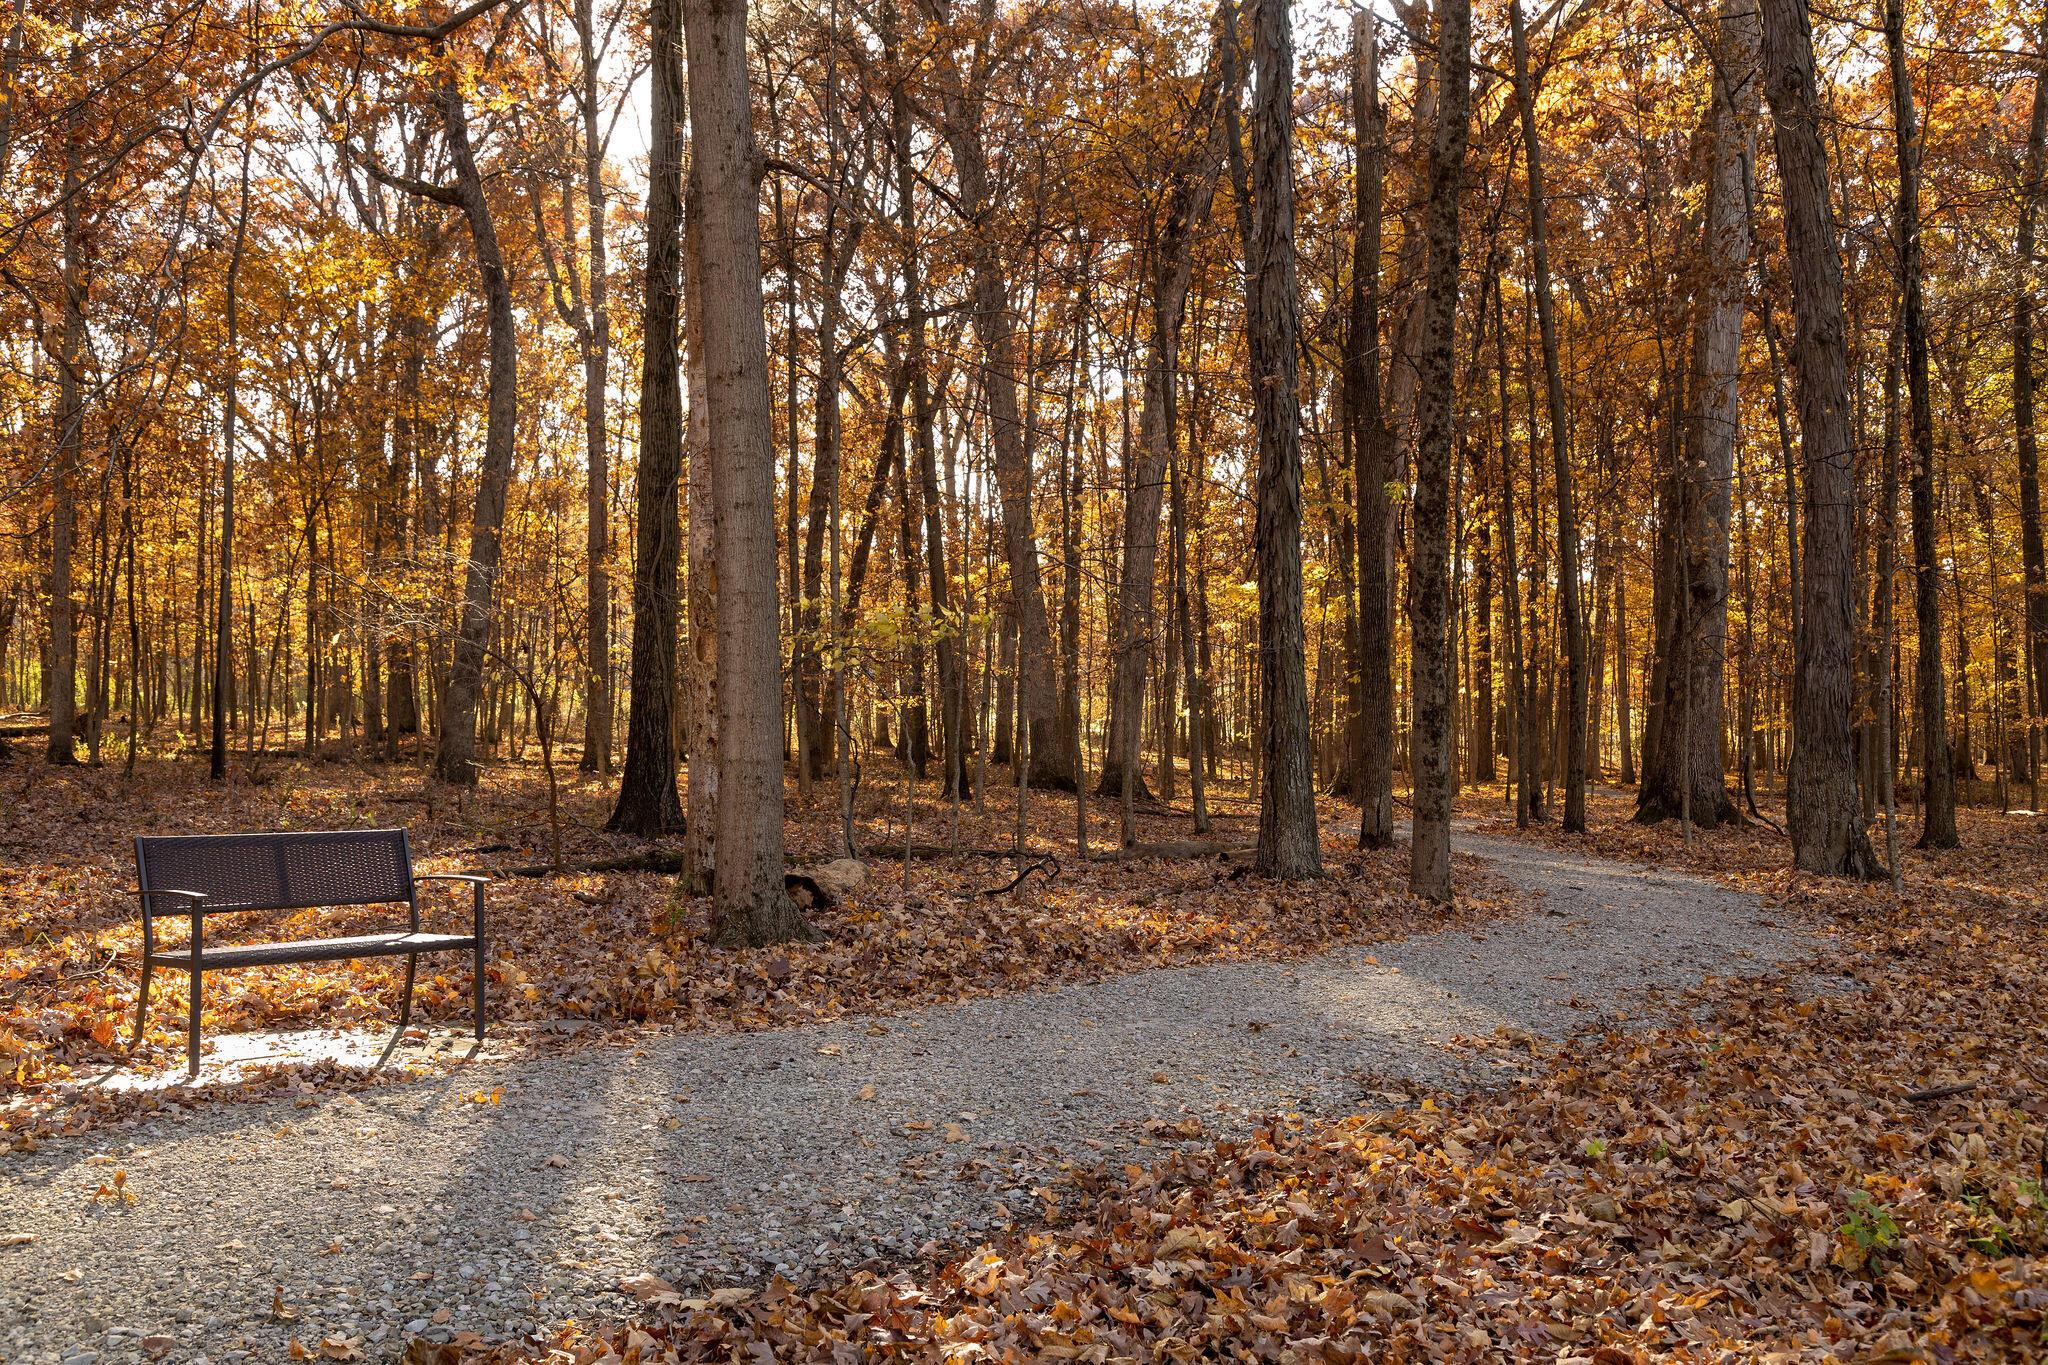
[194,900]
[477,882]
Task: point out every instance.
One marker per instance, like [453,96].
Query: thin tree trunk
[224,627]
[1429,571]
[2034,560]
[1372,447]
[68,439]
[1570,624]
[455,761]
[1692,706]
[1938,810]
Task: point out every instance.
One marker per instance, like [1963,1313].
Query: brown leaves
[612,950]
[1744,1179]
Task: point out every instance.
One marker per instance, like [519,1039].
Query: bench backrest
[279,871]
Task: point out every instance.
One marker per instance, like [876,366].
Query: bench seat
[314,950]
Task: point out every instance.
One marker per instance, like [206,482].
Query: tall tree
[1289,845]
[1429,585]
[750,905]
[1372,445]
[1570,623]
[1937,772]
[1190,188]
[2026,437]
[68,423]
[224,612]
[647,803]
[1824,811]
[1053,761]
[1688,750]
[455,758]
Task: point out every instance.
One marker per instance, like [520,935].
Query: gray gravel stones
[512,1195]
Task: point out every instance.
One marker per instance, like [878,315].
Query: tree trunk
[1570,624]
[1823,812]
[1693,673]
[1372,447]
[1289,845]
[749,905]
[597,350]
[1193,187]
[647,804]
[1429,587]
[68,439]
[456,759]
[2034,560]
[700,664]
[1938,809]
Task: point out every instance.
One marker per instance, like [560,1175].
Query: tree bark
[647,803]
[1193,187]
[2034,560]
[750,906]
[1693,675]
[455,761]
[1372,446]
[68,440]
[1289,845]
[1571,624]
[1938,780]
[1823,812]
[1429,587]
[597,350]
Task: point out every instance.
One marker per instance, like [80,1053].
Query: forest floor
[591,957]
[527,1191]
[1753,1170]
[1133,1109]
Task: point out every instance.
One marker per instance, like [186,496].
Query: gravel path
[428,1208]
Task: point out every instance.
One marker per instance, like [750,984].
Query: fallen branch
[1940,1092]
[1049,865]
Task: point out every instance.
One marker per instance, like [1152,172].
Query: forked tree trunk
[1824,813]
[749,903]
[995,327]
[1938,779]
[455,761]
[1692,674]
[1288,845]
[1429,592]
[647,803]
[1193,183]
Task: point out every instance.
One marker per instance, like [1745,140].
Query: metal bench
[197,875]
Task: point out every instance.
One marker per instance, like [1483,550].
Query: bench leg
[412,962]
[479,990]
[141,1006]
[192,1031]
